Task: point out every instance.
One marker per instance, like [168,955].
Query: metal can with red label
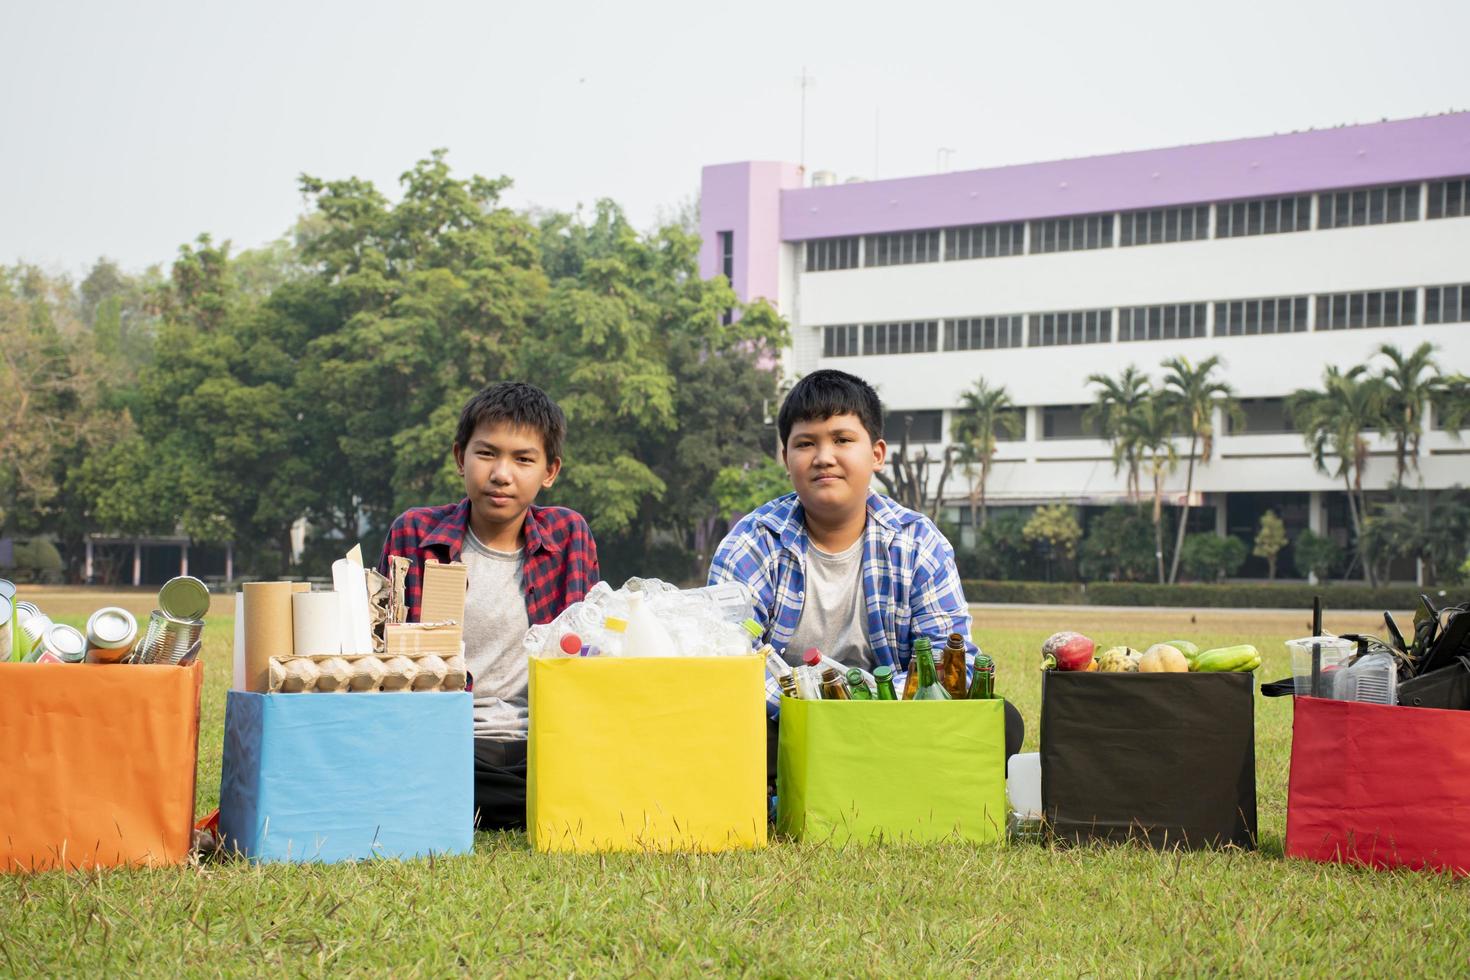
[66,643]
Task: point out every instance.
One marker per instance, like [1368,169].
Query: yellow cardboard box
[646,753]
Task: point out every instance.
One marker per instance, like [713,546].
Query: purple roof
[1350,156]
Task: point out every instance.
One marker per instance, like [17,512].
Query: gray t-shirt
[495,627]
[834,612]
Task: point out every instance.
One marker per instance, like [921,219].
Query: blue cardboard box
[345,777]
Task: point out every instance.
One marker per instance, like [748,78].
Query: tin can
[7,626]
[32,624]
[169,640]
[111,633]
[63,642]
[184,597]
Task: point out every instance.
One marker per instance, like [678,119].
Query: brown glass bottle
[952,667]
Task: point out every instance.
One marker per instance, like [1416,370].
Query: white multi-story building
[1281,255]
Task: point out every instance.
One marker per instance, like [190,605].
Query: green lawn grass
[788,910]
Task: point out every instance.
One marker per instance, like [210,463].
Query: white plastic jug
[645,635]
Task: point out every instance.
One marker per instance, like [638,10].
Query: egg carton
[366,674]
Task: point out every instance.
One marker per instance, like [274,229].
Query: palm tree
[1194,395]
[1334,422]
[985,414]
[1115,399]
[1149,427]
[1411,382]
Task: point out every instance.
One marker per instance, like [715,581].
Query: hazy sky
[127,129]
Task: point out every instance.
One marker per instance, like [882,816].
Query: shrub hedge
[1224,595]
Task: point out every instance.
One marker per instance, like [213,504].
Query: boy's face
[504,468]
[832,462]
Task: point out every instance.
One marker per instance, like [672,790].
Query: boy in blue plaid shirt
[835,565]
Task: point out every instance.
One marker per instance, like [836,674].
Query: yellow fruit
[1163,659]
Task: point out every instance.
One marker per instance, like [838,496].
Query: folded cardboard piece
[99,765]
[444,592]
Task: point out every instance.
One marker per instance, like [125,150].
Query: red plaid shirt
[561,557]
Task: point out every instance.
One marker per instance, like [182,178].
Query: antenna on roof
[805,81]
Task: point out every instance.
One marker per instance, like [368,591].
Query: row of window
[1177,321]
[1258,416]
[1233,219]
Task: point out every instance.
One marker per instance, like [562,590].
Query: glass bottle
[983,686]
[855,684]
[928,687]
[952,667]
[834,686]
[883,676]
[923,645]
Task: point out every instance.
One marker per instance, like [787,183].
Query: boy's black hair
[823,394]
[520,404]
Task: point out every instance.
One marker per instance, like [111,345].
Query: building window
[983,333]
[1164,225]
[1447,304]
[840,341]
[901,248]
[1249,317]
[826,254]
[1075,327]
[1072,234]
[1176,322]
[901,338]
[923,425]
[984,241]
[727,268]
[1066,422]
[1350,311]
[1268,216]
[1368,206]
[1262,416]
[1449,198]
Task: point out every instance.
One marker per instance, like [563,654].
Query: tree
[1210,558]
[909,482]
[1411,382]
[741,489]
[1054,526]
[1334,421]
[1115,399]
[1193,394]
[1149,427]
[985,414]
[1315,555]
[1270,539]
[1117,545]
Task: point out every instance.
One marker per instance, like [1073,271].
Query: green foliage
[1056,526]
[323,375]
[741,489]
[1315,554]
[985,414]
[1209,557]
[1270,539]
[1001,549]
[1245,595]
[1118,545]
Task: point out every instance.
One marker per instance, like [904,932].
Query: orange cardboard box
[97,764]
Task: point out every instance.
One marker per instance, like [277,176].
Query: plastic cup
[1335,652]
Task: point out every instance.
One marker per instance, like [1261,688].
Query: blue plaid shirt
[910,585]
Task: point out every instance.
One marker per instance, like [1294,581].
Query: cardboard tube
[316,621]
[267,630]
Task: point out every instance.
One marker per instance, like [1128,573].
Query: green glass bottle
[883,677]
[855,684]
[982,687]
[928,687]
[912,684]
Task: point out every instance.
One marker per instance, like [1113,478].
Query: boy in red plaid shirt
[525,565]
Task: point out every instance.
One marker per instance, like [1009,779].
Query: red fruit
[1072,651]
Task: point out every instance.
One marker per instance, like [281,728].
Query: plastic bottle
[646,636]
